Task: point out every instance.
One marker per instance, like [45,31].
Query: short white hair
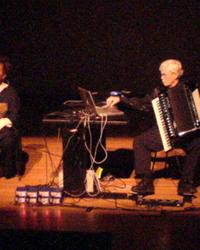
[172,66]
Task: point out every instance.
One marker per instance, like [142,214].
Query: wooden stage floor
[41,167]
[112,218]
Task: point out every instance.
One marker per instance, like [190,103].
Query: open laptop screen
[88,100]
[92,109]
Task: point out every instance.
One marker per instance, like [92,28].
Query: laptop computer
[91,107]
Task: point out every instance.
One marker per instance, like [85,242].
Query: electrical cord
[115,186]
[86,122]
[48,152]
[99,143]
[92,155]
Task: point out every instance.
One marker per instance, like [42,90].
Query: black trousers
[150,141]
[8,153]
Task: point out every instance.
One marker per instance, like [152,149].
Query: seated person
[171,76]
[9,138]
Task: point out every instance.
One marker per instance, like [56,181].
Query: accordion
[177,113]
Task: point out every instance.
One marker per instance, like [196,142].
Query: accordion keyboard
[161,124]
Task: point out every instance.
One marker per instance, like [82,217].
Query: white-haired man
[171,71]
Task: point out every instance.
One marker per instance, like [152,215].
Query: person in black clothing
[9,108]
[171,73]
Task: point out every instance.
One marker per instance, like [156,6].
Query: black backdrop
[102,45]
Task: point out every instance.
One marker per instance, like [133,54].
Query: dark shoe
[186,187]
[10,175]
[145,187]
[21,163]
[1,173]
[21,169]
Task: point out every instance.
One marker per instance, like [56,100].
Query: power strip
[92,182]
[90,175]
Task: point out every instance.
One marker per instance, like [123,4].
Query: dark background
[55,46]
